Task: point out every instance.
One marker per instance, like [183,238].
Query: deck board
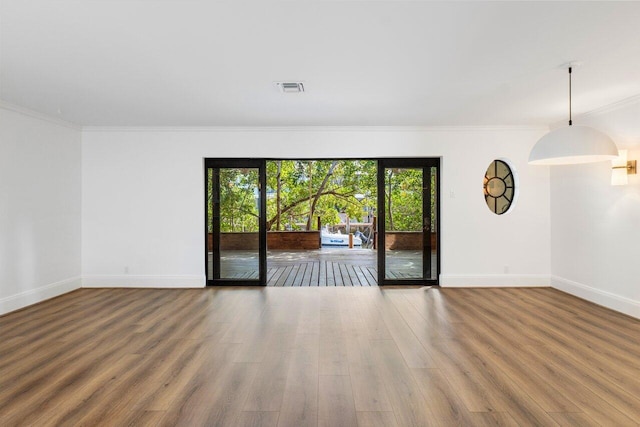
[322,273]
[337,275]
[323,267]
[314,280]
[345,274]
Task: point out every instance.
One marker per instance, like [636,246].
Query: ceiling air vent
[290,87]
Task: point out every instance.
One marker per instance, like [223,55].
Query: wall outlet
[506,269]
[126,269]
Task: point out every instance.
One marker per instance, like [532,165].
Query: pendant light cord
[570,121]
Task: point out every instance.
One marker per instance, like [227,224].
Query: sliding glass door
[407,218]
[408,215]
[236,224]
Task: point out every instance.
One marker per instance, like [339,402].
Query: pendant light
[573,144]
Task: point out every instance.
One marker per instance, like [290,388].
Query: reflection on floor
[323,267]
[341,356]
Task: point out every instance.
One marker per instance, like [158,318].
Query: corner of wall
[36,295]
[597,296]
[51,148]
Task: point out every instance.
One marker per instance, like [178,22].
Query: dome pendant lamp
[572,145]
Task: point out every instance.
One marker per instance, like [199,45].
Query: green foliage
[434,200]
[209,199]
[319,188]
[332,184]
[239,209]
[239,200]
[404,199]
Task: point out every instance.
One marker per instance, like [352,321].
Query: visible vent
[290,87]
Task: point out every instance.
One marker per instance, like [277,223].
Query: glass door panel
[236,244]
[434,240]
[408,214]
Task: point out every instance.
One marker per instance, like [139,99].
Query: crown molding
[614,106]
[479,128]
[37,115]
[618,105]
[311,128]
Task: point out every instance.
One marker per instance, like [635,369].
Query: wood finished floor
[319,357]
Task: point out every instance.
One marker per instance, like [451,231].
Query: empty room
[319,213]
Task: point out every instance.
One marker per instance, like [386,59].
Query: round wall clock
[499,187]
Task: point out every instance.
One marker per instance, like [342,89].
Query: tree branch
[298,202]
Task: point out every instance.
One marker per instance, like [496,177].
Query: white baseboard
[139,281]
[34,296]
[494,280]
[606,299]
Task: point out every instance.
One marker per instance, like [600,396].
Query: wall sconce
[621,168]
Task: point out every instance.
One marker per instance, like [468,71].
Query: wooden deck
[322,267]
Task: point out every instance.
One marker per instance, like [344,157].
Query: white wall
[39,208]
[143,206]
[595,227]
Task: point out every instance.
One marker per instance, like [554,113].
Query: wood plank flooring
[322,356]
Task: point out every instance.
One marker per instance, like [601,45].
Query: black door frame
[422,162]
[416,163]
[230,163]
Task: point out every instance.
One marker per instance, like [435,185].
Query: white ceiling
[204,63]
